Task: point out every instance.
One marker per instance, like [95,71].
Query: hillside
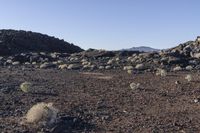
[13,42]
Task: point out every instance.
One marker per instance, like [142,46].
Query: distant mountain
[142,49]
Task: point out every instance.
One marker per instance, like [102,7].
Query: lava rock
[13,42]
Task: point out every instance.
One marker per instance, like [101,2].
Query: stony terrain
[102,101]
[104,91]
[186,56]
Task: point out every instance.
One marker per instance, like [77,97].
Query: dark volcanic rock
[92,53]
[41,51]
[128,53]
[13,42]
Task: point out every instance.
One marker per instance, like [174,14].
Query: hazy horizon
[103,24]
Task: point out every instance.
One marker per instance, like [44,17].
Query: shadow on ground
[70,124]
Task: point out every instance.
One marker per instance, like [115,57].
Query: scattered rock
[64,66]
[189,68]
[101,67]
[178,68]
[128,67]
[74,67]
[16,63]
[196,55]
[46,65]
[140,66]
[108,67]
[177,82]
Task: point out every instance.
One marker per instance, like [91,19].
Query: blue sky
[106,24]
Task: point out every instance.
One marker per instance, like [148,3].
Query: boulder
[47,65]
[74,66]
[140,67]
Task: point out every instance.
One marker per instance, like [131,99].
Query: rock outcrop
[14,42]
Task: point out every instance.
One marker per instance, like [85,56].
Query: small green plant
[25,87]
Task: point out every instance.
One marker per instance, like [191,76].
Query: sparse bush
[161,72]
[42,113]
[25,87]
[130,71]
[135,86]
[188,77]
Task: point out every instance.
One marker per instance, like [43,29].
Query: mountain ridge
[142,49]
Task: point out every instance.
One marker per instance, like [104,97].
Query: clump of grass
[25,87]
[135,86]
[42,113]
[161,72]
[188,78]
[130,71]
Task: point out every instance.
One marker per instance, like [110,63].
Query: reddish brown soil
[103,102]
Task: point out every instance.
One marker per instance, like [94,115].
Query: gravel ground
[102,101]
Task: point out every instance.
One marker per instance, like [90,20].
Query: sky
[106,24]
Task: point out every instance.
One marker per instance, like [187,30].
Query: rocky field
[47,89]
[101,101]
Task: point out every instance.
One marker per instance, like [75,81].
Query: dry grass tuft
[188,78]
[161,72]
[43,113]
